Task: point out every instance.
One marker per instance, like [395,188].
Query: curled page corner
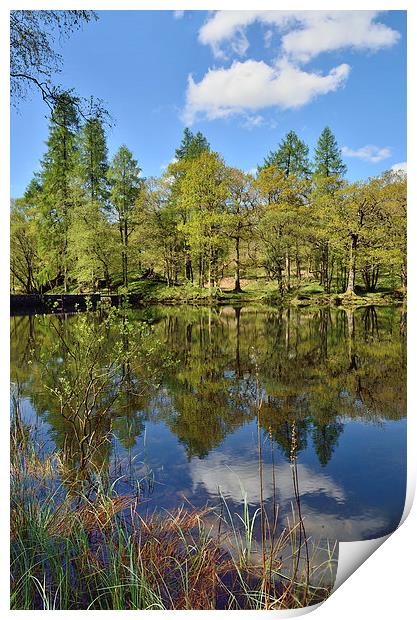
[411,487]
[352,555]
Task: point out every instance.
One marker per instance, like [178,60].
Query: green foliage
[125,185]
[123,175]
[162,241]
[203,198]
[242,203]
[291,156]
[285,217]
[25,264]
[328,156]
[59,190]
[94,247]
[93,164]
[192,145]
[87,225]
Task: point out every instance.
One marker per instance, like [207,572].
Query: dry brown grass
[91,516]
[170,545]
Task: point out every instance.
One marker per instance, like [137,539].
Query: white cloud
[247,86]
[369,152]
[239,476]
[400,167]
[305,33]
[230,26]
[253,85]
[179,14]
[334,30]
[253,120]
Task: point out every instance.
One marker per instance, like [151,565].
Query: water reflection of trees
[315,367]
[81,376]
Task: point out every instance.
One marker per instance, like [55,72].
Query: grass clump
[98,550]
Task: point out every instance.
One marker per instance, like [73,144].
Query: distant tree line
[84,220]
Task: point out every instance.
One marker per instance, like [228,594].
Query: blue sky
[242,78]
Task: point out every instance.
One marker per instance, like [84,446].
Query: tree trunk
[200,270]
[370,277]
[121,243]
[325,260]
[125,241]
[65,277]
[280,283]
[209,269]
[188,267]
[298,268]
[352,264]
[330,278]
[288,271]
[403,275]
[343,277]
[237,273]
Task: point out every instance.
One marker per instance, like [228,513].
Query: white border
[384,585]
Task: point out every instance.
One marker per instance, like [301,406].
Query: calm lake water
[186,430]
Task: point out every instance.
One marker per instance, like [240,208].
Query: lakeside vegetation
[204,229]
[87,223]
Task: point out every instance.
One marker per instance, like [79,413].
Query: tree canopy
[84,222]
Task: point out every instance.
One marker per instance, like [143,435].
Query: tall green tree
[394,196]
[94,247]
[328,172]
[203,197]
[93,162]
[58,196]
[284,219]
[328,160]
[91,235]
[291,156]
[192,145]
[385,247]
[291,161]
[356,220]
[125,185]
[24,258]
[243,208]
[163,241]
